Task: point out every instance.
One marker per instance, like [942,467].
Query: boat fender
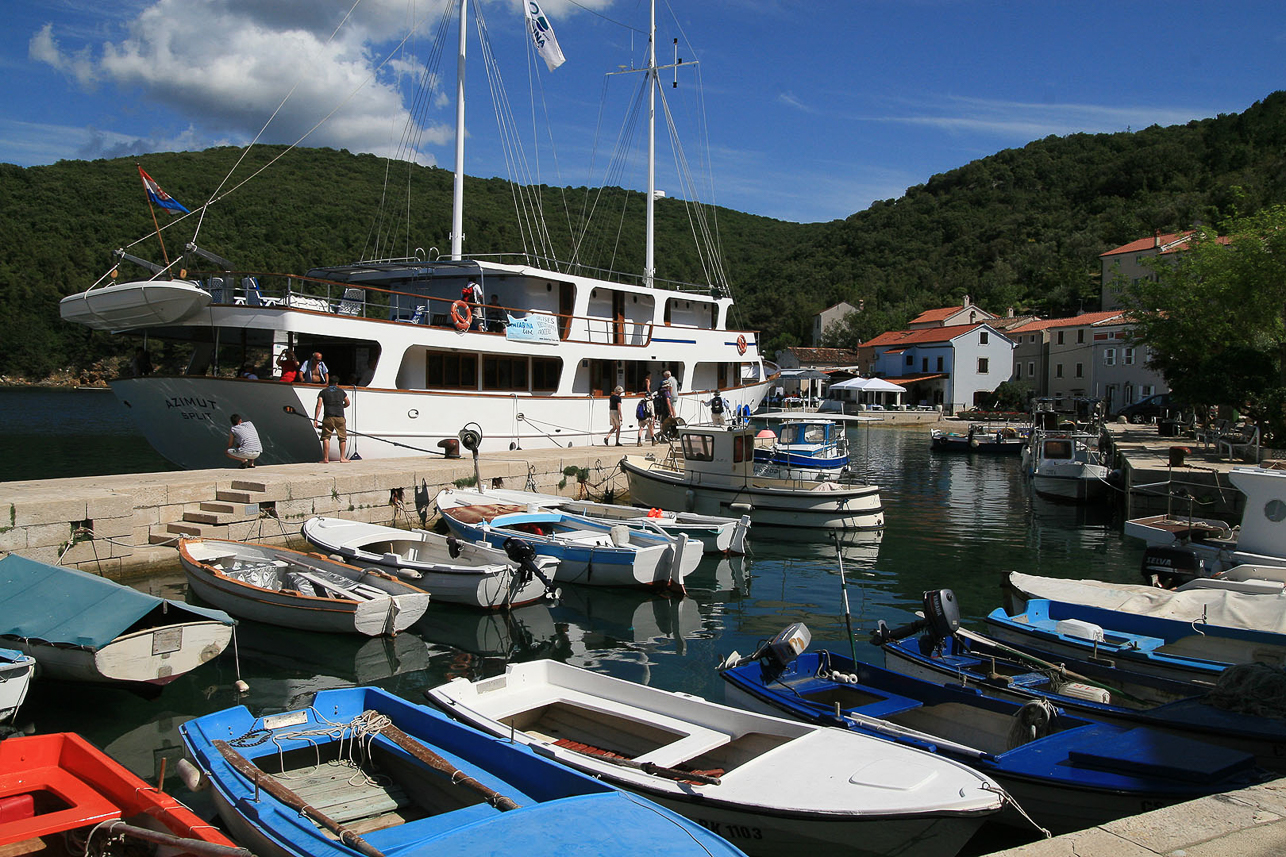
[407,573]
[1030,722]
[192,776]
[689,500]
[620,535]
[1089,693]
[1080,629]
[453,547]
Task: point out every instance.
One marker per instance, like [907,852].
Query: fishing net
[1255,689]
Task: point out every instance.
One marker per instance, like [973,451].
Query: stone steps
[218,518]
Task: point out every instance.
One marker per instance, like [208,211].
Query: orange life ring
[741,344]
[461,315]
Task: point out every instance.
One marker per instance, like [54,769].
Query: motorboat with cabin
[534,370]
[805,448]
[711,470]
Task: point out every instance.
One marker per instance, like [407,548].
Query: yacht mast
[457,196]
[649,264]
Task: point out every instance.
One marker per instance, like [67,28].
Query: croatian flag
[159,197]
[542,33]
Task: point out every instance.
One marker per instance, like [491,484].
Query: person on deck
[289,366]
[471,294]
[717,406]
[243,442]
[329,414]
[314,371]
[497,321]
[614,412]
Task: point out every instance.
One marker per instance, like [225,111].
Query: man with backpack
[717,406]
[471,294]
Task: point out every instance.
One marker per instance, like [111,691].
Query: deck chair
[215,287]
[250,288]
[352,303]
[1242,441]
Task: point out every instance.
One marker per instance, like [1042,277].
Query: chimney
[1156,239]
[1009,313]
[966,300]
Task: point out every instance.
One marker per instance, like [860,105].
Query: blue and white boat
[1181,650]
[361,771]
[804,449]
[1090,690]
[16,669]
[588,551]
[1066,772]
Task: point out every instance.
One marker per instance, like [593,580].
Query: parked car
[1145,410]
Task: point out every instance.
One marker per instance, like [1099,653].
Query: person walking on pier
[329,414]
[614,413]
[243,442]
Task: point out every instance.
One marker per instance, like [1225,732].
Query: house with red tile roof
[1126,264]
[830,316]
[951,316]
[951,365]
[1090,355]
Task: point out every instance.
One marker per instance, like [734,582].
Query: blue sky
[809,110]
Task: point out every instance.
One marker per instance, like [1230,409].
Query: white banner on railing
[533,328]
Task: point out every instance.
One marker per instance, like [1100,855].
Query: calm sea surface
[954,521]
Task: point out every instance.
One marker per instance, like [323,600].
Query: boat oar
[652,768]
[184,844]
[843,587]
[433,760]
[1018,653]
[274,787]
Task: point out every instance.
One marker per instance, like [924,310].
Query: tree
[1214,319]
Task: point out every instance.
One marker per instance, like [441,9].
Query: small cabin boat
[710,470]
[1066,466]
[980,437]
[807,449]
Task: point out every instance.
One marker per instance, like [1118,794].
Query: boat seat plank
[87,805]
[344,793]
[673,755]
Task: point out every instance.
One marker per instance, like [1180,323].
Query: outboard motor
[1171,567]
[524,555]
[777,653]
[941,620]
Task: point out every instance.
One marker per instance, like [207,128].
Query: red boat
[62,784]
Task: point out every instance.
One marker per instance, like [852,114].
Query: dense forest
[1022,228]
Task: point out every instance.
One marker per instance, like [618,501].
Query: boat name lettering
[190,402]
[730,831]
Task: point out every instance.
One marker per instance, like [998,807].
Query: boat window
[790,434]
[545,372]
[504,373]
[1058,448]
[442,369]
[741,449]
[814,434]
[698,447]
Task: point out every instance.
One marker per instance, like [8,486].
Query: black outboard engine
[524,555]
[1171,567]
[777,653]
[941,619]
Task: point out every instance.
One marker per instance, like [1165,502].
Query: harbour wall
[127,526]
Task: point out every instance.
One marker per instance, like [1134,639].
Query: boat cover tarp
[45,602]
[1212,606]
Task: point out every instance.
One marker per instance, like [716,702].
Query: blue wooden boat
[805,449]
[588,551]
[361,771]
[1168,648]
[1089,690]
[1065,772]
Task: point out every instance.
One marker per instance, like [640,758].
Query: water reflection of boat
[602,619]
[724,577]
[521,633]
[142,749]
[274,651]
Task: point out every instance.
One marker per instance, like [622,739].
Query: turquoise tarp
[45,602]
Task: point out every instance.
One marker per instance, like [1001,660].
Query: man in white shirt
[243,442]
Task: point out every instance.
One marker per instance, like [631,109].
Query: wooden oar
[185,844]
[653,768]
[274,787]
[433,760]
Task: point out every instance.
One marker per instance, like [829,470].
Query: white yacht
[411,354]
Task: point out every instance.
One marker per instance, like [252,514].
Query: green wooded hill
[1021,228]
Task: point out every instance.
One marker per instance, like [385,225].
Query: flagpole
[152,209]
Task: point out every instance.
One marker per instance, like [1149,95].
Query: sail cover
[45,602]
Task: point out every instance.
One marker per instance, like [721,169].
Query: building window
[1019,371]
[1080,370]
[910,360]
[924,364]
[1058,370]
[982,365]
[939,364]
[1127,356]
[982,338]
[1031,368]
[1060,337]
[1109,356]
[1080,337]
[1146,390]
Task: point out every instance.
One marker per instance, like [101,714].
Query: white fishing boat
[804,448]
[711,471]
[536,373]
[588,551]
[16,669]
[280,586]
[771,786]
[716,534]
[81,627]
[1182,547]
[451,570]
[1066,465]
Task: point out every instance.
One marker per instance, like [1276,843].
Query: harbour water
[954,521]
